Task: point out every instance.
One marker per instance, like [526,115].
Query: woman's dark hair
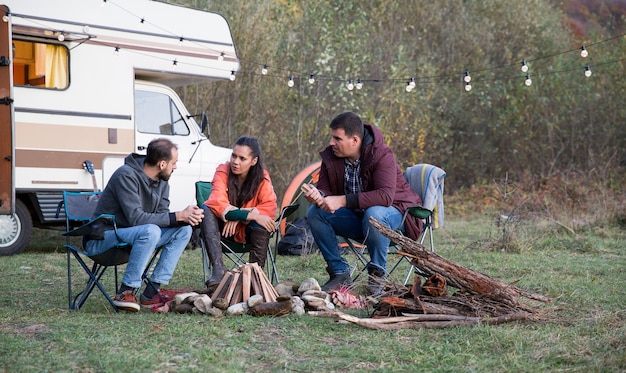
[240,193]
[159,150]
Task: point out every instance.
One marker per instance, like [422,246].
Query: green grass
[584,329]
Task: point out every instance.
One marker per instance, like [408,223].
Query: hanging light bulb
[467,77]
[5,17]
[359,84]
[350,85]
[86,29]
[290,83]
[524,66]
[528,82]
[311,78]
[61,37]
[583,52]
[142,21]
[116,52]
[264,70]
[408,87]
[587,71]
[412,82]
[180,41]
[221,57]
[468,86]
[174,64]
[104,2]
[232,76]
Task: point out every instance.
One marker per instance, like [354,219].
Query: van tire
[15,230]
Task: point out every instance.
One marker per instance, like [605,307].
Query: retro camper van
[83,83]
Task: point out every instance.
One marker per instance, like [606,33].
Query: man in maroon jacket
[359,178]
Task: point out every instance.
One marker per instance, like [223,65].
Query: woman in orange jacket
[243,206]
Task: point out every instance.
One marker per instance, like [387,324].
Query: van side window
[40,65]
[156,113]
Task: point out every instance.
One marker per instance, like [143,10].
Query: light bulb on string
[290,83]
[350,85]
[524,66]
[174,64]
[311,78]
[142,21]
[587,71]
[412,82]
[116,52]
[232,76]
[221,57]
[468,86]
[528,81]
[408,87]
[583,52]
[359,84]
[180,41]
[467,78]
[264,70]
[104,2]
[5,17]
[61,37]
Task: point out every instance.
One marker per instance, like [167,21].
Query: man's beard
[164,176]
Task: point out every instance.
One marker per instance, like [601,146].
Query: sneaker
[336,281]
[157,300]
[126,301]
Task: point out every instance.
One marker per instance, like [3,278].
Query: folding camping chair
[234,250]
[428,182]
[79,208]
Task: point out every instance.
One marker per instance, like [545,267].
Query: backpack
[298,239]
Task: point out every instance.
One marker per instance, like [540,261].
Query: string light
[408,87]
[290,83]
[412,82]
[311,78]
[180,41]
[467,77]
[174,64]
[5,17]
[359,84]
[524,66]
[61,37]
[583,52]
[116,52]
[350,85]
[221,57]
[587,71]
[468,86]
[232,76]
[142,21]
[264,70]
[104,2]
[528,82]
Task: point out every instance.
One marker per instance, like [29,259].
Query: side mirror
[204,124]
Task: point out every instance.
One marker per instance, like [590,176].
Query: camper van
[83,83]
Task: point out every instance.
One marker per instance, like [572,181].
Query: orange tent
[308,175]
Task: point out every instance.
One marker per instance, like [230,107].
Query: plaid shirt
[352,176]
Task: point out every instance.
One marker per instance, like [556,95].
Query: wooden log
[246,283]
[458,276]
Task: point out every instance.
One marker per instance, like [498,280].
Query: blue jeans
[344,222]
[144,240]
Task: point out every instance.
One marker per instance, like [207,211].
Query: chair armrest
[419,212]
[85,229]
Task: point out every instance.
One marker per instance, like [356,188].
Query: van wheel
[15,230]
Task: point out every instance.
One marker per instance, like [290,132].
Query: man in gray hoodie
[138,195]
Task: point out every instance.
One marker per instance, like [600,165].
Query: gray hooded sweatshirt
[136,199]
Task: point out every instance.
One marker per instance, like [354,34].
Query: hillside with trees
[564,125]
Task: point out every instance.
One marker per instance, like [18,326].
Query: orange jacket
[264,200]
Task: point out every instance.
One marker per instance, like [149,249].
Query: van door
[6,116]
[159,113]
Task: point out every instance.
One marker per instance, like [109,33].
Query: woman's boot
[258,239]
[211,235]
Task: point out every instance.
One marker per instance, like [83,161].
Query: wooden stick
[246,283]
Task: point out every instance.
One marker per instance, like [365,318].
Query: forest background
[558,143]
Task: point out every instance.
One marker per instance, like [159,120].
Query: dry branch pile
[478,298]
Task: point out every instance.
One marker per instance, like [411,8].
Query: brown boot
[211,235]
[258,239]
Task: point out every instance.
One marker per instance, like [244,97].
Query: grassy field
[584,329]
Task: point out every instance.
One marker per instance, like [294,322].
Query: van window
[156,113]
[40,65]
